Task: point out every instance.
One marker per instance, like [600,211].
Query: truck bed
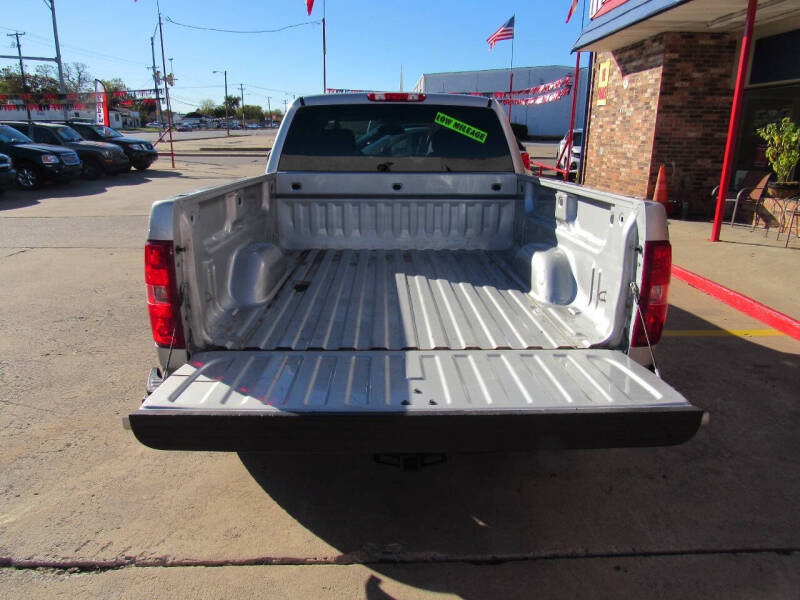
[407,299]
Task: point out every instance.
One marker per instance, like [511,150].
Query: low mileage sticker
[460,127]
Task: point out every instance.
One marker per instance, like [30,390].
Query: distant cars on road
[98,158]
[141,153]
[36,163]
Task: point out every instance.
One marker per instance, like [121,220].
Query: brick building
[662,87]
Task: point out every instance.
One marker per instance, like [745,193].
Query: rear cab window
[380,137]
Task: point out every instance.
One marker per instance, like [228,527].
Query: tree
[251,113]
[207,107]
[77,77]
[233,103]
[115,85]
[38,83]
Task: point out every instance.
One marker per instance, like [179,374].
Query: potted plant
[783,153]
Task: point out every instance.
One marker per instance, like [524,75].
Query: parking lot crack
[129,561]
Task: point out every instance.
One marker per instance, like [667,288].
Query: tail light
[526,160]
[395,97]
[653,293]
[162,294]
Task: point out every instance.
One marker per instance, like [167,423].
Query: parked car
[98,158]
[141,153]
[432,298]
[575,156]
[183,127]
[7,172]
[36,163]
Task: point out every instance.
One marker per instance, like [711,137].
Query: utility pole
[225,102]
[159,116]
[284,107]
[22,73]
[269,110]
[62,88]
[241,89]
[166,86]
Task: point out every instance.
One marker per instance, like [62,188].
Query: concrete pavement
[747,261]
[716,517]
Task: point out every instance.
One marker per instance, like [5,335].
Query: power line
[284,28]
[46,41]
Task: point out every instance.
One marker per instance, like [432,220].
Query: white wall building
[543,120]
[118,119]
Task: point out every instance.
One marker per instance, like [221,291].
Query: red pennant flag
[572,9]
[309,6]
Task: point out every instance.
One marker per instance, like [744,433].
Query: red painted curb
[752,308]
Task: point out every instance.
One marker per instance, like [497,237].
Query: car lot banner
[101,111]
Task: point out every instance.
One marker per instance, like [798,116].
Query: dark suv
[141,153]
[38,162]
[98,158]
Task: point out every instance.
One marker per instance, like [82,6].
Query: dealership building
[550,119]
[662,86]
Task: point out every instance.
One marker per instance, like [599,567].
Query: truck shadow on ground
[17,198]
[734,486]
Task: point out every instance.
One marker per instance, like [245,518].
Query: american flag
[506,32]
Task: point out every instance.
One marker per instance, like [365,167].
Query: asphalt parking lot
[86,511]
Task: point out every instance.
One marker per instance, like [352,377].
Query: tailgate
[412,401]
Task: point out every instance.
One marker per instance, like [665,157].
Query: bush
[783,147]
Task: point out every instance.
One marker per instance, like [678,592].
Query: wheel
[28,177]
[142,167]
[92,169]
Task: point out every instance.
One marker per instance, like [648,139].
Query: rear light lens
[653,292]
[395,97]
[162,294]
[526,160]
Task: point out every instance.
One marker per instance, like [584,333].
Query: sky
[367,42]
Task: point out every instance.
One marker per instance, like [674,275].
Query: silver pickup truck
[397,283]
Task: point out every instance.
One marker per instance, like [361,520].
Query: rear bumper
[452,432]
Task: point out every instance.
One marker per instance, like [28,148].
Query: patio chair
[754,186]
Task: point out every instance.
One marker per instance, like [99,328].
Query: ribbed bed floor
[420,299]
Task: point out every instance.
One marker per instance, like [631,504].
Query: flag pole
[324,52]
[511,75]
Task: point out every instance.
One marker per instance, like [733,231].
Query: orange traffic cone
[660,195]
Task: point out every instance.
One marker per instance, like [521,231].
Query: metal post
[227,120]
[733,126]
[511,81]
[241,90]
[580,176]
[166,87]
[324,54]
[568,149]
[62,88]
[159,116]
[22,74]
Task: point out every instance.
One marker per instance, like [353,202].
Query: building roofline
[570,67]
